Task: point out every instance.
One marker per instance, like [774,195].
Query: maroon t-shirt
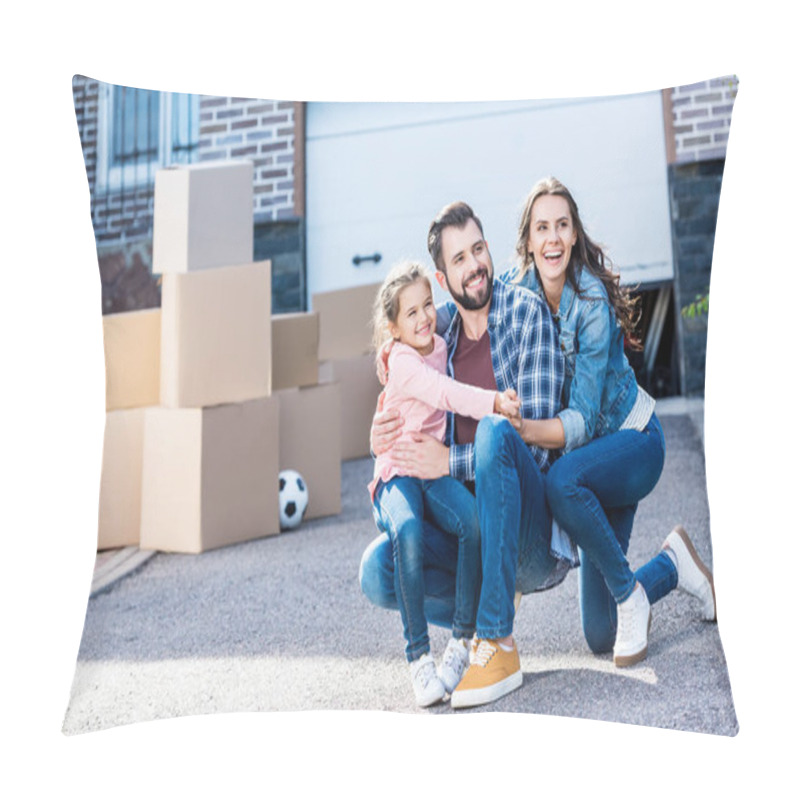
[472,364]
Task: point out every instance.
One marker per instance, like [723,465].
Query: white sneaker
[633,625]
[694,577]
[428,689]
[454,661]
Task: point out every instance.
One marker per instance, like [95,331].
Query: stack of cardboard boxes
[210,396]
[344,350]
[195,435]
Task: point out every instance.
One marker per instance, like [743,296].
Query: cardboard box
[203,216]
[310,442]
[216,336]
[360,389]
[209,476]
[295,340]
[132,342]
[120,509]
[345,321]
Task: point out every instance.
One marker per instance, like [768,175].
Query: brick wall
[85,94]
[262,131]
[698,119]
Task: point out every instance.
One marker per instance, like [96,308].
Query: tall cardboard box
[295,341]
[360,388]
[203,216]
[216,336]
[210,475]
[310,442]
[345,321]
[132,343]
[119,515]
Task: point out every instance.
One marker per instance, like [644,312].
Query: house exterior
[342,190]
[697,122]
[128,134]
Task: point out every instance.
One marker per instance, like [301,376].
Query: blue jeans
[400,507]
[593,492]
[515,521]
[515,539]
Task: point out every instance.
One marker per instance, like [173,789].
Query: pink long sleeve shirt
[419,388]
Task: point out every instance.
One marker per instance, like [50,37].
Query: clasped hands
[420,455]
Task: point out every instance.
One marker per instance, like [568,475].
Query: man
[499,337]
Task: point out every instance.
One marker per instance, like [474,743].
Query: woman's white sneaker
[633,625]
[694,577]
[428,689]
[455,660]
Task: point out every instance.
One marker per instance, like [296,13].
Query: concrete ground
[280,624]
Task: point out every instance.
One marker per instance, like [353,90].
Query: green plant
[696,308]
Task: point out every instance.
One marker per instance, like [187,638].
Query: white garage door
[377,173]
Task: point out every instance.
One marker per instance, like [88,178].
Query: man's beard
[468,302]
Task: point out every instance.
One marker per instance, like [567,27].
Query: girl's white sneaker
[455,660]
[428,689]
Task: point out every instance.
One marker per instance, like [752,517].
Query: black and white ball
[292,498]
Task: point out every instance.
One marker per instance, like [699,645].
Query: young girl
[419,388]
[612,441]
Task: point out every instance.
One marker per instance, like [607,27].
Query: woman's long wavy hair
[585,253]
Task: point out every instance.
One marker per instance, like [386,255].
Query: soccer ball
[292,498]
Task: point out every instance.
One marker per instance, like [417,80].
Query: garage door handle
[358,260]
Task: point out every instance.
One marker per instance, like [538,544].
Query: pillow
[231,628]
[271,620]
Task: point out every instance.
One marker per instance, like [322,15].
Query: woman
[612,442]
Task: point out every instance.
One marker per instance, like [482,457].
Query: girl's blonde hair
[387,303]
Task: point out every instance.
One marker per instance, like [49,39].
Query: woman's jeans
[515,539]
[400,506]
[593,492]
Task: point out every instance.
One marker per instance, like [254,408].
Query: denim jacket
[600,386]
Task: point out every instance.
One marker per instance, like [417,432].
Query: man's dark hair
[455,215]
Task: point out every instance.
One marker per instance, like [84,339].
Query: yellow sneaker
[493,672]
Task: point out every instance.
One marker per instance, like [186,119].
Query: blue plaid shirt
[525,357]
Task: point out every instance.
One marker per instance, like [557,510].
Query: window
[140,131]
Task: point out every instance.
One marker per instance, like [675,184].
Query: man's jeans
[593,492]
[515,539]
[516,525]
[400,507]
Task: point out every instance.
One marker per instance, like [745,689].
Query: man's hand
[422,457]
[382,362]
[385,429]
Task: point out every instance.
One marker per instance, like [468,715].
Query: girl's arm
[412,377]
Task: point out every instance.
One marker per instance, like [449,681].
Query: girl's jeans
[593,492]
[515,539]
[400,507]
